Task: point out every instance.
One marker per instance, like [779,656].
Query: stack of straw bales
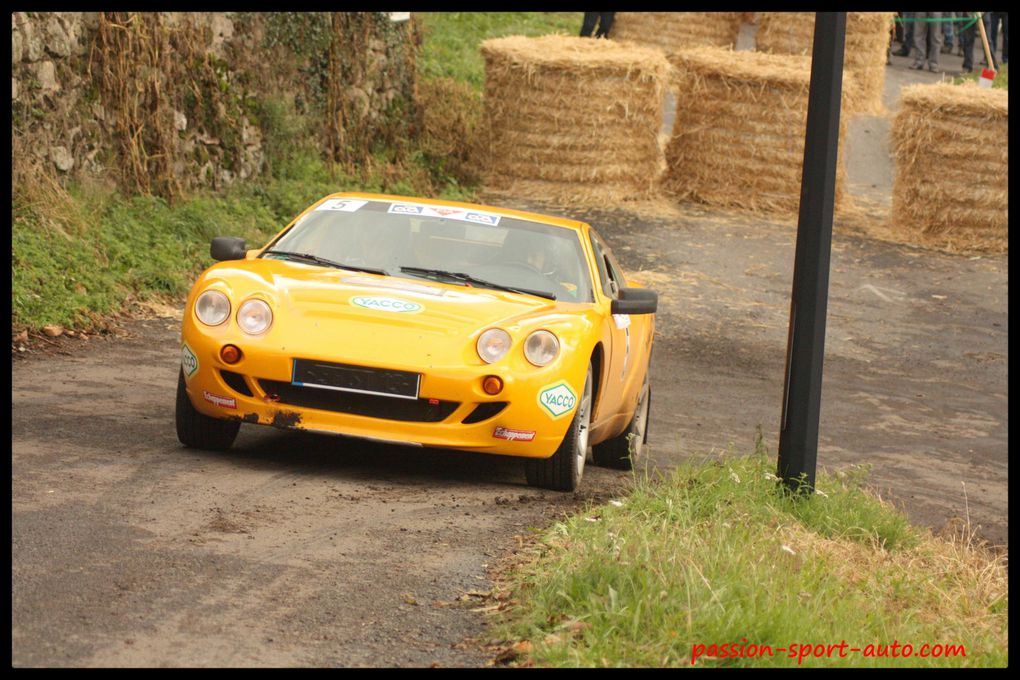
[573,120]
[951,154]
[738,137]
[867,42]
[673,31]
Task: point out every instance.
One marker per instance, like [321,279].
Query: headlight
[254,317]
[541,348]
[212,308]
[493,344]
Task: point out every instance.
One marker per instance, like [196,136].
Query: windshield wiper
[467,278]
[307,257]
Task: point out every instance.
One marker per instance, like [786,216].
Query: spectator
[905,34]
[967,36]
[947,32]
[992,21]
[604,21]
[925,30]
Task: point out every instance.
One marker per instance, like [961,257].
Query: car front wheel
[200,431]
[563,470]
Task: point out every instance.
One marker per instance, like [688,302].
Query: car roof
[509,212]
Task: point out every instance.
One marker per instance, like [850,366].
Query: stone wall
[164,102]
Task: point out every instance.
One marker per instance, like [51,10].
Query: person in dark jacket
[604,21]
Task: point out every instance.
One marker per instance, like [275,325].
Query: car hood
[350,316]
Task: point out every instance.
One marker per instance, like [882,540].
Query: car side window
[609,270]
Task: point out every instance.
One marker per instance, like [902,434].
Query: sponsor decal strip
[513,435]
[225,402]
[448,213]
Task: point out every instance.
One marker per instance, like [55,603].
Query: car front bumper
[452,410]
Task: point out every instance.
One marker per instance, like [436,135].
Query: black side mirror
[635,301]
[228,248]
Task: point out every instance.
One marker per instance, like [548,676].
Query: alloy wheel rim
[640,423]
[584,421]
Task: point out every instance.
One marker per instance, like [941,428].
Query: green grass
[1001,77]
[713,554]
[450,45]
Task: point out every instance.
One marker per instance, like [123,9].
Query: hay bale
[672,31]
[867,42]
[951,155]
[738,137]
[572,120]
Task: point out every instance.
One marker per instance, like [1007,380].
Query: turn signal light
[492,384]
[230,354]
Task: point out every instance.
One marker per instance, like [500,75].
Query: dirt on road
[305,550]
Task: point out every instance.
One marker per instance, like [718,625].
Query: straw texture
[867,42]
[672,31]
[738,136]
[951,154]
[572,120]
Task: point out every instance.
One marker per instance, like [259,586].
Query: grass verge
[450,45]
[713,554]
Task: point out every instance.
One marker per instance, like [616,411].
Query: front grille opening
[371,405]
[484,412]
[236,382]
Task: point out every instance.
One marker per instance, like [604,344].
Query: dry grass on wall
[867,42]
[572,120]
[738,136]
[951,183]
[673,31]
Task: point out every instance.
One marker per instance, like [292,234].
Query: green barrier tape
[972,20]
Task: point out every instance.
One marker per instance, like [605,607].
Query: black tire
[624,450]
[563,470]
[199,431]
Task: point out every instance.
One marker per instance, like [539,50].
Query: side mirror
[635,301]
[227,248]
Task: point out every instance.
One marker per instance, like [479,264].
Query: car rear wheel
[624,450]
[200,431]
[563,470]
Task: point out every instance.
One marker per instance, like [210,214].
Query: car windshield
[452,245]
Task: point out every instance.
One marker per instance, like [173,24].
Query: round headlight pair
[540,348]
[254,316]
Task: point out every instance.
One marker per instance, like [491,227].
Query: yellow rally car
[428,323]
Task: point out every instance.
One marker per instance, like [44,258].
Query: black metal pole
[802,392]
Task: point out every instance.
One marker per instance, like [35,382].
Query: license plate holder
[361,379]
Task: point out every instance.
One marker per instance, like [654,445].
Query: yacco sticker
[482,218]
[188,361]
[387,304]
[557,399]
[405,209]
[342,204]
[225,402]
[513,435]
